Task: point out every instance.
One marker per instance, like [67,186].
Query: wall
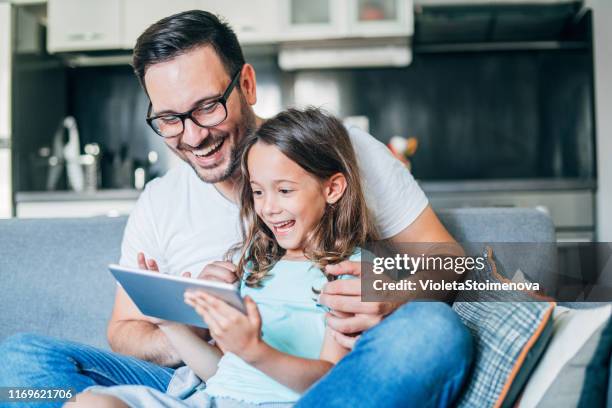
[477,115]
[602,10]
[5,111]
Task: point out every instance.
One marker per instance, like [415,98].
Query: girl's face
[287,198]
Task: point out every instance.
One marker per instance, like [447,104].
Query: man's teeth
[204,152]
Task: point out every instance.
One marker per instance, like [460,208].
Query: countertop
[430,187]
[99,195]
[536,185]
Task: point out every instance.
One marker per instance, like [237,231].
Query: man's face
[180,84]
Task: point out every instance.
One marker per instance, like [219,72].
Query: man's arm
[427,236]
[352,316]
[127,324]
[426,228]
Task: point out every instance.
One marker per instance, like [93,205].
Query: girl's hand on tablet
[233,331]
[220,271]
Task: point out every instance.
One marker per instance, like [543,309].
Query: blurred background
[503,103]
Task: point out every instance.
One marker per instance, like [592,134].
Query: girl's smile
[283,227]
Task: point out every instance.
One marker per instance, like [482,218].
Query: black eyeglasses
[207,114]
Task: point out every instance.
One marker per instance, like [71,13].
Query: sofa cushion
[511,331]
[54,276]
[497,227]
[574,369]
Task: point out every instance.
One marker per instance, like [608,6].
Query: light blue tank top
[291,322]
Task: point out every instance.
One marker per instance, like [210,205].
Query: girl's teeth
[284,225]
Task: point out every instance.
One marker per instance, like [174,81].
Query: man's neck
[229,187]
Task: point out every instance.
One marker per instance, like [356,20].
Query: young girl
[303,208]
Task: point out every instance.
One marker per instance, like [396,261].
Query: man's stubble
[242,130]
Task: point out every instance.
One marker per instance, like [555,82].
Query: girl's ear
[334,188]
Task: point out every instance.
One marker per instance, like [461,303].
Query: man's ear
[247,84]
[334,188]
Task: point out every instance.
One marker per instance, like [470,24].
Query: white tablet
[160,295]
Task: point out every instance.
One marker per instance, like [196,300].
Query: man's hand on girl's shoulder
[350,316]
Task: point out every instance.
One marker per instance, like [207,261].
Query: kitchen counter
[60,204]
[455,186]
[532,185]
[54,196]
[570,202]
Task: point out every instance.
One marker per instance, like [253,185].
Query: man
[201,92]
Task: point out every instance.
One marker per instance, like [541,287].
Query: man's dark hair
[181,33]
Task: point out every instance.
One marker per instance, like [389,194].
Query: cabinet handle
[89,36]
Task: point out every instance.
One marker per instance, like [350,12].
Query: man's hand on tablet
[151,265]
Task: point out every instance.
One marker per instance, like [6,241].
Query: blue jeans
[418,356]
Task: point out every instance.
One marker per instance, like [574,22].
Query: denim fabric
[417,357]
[31,360]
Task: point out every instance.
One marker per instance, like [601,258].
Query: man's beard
[242,130]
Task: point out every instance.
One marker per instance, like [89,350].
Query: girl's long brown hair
[319,143]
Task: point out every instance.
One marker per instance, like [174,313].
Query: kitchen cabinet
[314,19]
[380,18]
[79,25]
[335,19]
[253,21]
[85,25]
[140,14]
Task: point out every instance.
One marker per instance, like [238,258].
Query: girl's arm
[191,348]
[200,356]
[234,332]
[295,372]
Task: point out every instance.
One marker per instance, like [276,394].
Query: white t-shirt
[184,223]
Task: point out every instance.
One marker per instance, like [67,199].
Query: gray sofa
[55,281]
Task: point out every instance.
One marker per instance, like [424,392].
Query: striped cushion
[573,372]
[510,336]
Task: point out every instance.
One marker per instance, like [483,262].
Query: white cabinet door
[313,19]
[140,14]
[380,18]
[253,21]
[78,25]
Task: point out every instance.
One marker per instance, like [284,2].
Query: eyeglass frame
[189,114]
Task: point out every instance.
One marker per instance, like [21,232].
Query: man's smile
[210,149]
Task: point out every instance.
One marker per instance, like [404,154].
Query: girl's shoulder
[361,254]
[356,255]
